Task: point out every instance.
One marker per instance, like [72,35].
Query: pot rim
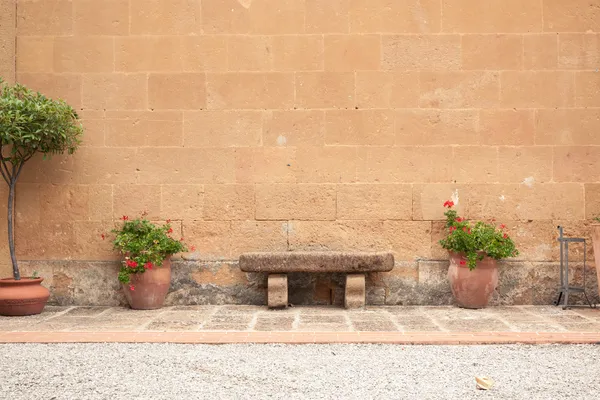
[22,281]
[487,260]
[463,255]
[167,258]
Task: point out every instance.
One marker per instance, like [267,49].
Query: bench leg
[277,291]
[355,291]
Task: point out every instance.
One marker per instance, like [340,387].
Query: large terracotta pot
[596,244]
[23,297]
[150,287]
[472,289]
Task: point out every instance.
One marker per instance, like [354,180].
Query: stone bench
[354,264]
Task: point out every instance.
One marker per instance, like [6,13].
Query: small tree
[31,123]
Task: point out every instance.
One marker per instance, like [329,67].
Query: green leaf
[476,239]
[32,123]
[142,242]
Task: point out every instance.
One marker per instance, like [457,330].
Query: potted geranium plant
[474,249]
[145,273]
[30,123]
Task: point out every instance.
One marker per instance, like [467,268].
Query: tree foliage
[32,123]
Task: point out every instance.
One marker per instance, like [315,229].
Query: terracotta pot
[596,244]
[150,287]
[472,289]
[23,297]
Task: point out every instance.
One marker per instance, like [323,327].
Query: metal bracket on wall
[565,288]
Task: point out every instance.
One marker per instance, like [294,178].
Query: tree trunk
[11,235]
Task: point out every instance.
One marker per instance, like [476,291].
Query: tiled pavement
[242,324]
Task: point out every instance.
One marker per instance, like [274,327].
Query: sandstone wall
[7,39]
[261,125]
[7,72]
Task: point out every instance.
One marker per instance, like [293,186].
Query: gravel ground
[171,371]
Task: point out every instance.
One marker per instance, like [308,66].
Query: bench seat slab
[311,261]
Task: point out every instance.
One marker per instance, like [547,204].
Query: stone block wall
[7,39]
[8,36]
[260,125]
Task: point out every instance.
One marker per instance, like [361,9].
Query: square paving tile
[319,327]
[520,317]
[475,325]
[321,310]
[86,311]
[49,312]
[414,320]
[279,311]
[374,326]
[420,328]
[323,319]
[210,326]
[455,313]
[400,310]
[566,318]
[237,310]
[180,315]
[119,321]
[7,325]
[591,313]
[121,313]
[283,323]
[65,319]
[119,324]
[582,327]
[512,313]
[504,310]
[547,310]
[204,308]
[417,324]
[367,314]
[51,326]
[166,326]
[532,326]
[372,321]
[230,319]
[106,328]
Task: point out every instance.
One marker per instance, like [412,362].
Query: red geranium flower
[170,230]
[459,219]
[449,204]
[502,226]
[463,262]
[452,229]
[131,263]
[148,265]
[193,248]
[131,287]
[168,221]
[505,236]
[124,217]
